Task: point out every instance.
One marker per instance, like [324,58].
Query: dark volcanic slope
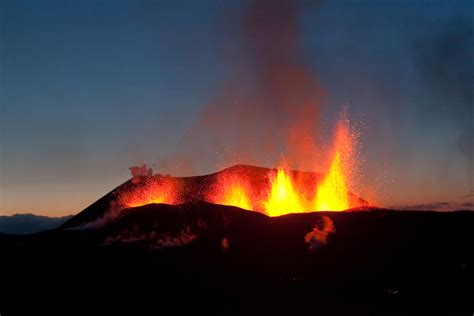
[231,260]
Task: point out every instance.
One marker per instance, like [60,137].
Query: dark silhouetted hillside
[219,260]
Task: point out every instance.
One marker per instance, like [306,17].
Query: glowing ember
[236,196]
[283,196]
[230,190]
[156,189]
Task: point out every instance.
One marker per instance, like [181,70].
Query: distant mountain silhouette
[29,223]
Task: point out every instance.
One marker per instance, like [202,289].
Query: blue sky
[90,88]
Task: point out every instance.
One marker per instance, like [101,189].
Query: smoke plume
[153,239]
[271,104]
[139,172]
[319,236]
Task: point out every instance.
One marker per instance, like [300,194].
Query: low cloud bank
[437,206]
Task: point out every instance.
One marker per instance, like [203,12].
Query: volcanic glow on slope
[230,190]
[278,193]
[236,196]
[154,190]
[283,197]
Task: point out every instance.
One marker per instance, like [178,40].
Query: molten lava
[273,192]
[332,193]
[236,196]
[283,198]
[152,190]
[230,190]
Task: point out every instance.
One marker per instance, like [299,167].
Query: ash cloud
[139,172]
[405,67]
[272,101]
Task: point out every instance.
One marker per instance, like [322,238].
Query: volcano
[210,258]
[147,190]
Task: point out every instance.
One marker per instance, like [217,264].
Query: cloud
[139,172]
[437,206]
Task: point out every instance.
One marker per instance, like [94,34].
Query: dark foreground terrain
[202,258]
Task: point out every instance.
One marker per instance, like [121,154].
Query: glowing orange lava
[236,196]
[283,197]
[154,190]
[230,190]
[332,193]
[273,192]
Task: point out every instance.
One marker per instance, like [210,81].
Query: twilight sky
[89,88]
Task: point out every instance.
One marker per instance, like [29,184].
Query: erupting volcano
[269,112]
[273,192]
[281,135]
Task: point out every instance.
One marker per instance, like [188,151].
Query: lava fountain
[273,192]
[332,193]
[284,196]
